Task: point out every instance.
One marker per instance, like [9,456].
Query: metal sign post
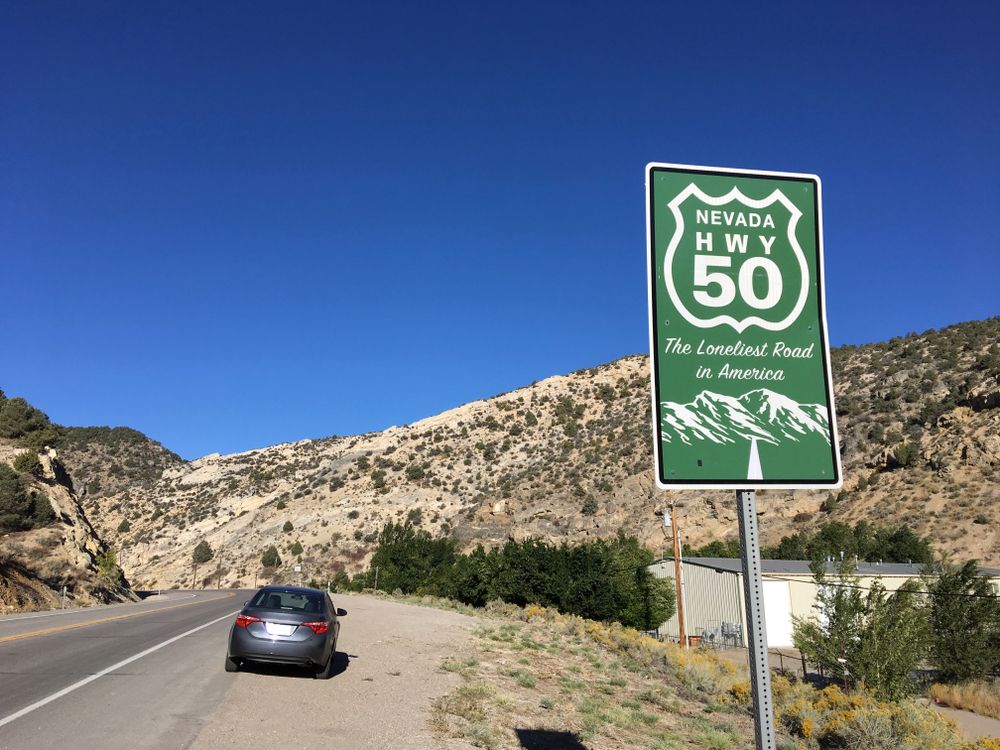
[753,594]
[742,392]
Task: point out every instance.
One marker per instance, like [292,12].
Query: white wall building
[714,605]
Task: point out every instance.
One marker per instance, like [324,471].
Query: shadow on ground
[544,739]
[341,662]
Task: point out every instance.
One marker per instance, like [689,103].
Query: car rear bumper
[242,645]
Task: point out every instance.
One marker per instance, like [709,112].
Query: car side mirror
[341,612]
[246,602]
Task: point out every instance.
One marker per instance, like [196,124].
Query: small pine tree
[296,548]
[270,558]
[287,527]
[202,553]
[27,463]
[107,566]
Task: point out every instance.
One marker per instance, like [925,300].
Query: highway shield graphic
[742,395]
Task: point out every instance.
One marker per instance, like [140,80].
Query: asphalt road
[150,675]
[63,682]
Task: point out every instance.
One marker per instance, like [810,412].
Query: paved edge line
[80,610]
[101,620]
[107,670]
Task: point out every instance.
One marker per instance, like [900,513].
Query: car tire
[232,665]
[327,671]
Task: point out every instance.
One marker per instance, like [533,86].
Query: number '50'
[704,277]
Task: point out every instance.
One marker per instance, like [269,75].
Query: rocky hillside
[568,458]
[57,547]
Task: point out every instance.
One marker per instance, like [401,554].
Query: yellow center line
[74,626]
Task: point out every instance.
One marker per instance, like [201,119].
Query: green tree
[42,513]
[412,561]
[864,637]
[202,553]
[21,508]
[18,417]
[27,463]
[718,548]
[107,567]
[965,622]
[15,505]
[296,548]
[287,527]
[270,558]
[905,455]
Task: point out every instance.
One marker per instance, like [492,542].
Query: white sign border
[820,281]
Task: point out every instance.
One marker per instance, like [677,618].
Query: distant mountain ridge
[759,414]
[567,458]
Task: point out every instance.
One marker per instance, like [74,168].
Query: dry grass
[981,697]
[609,687]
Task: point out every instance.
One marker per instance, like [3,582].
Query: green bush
[27,463]
[965,620]
[18,418]
[124,526]
[296,548]
[287,527]
[865,638]
[202,552]
[905,455]
[270,558]
[21,508]
[601,580]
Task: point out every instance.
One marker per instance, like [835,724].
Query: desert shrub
[18,418]
[287,527]
[904,455]
[21,508]
[27,463]
[124,526]
[270,558]
[202,552]
[295,548]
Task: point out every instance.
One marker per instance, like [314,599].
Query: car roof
[292,589]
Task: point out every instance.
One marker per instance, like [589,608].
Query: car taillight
[243,620]
[317,627]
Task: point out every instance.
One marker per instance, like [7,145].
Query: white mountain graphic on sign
[762,414]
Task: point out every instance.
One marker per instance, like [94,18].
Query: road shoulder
[388,674]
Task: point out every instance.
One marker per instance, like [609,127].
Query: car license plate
[274,628]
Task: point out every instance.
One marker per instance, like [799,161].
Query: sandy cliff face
[35,565]
[568,458]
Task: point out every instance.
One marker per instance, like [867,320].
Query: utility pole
[677,577]
[376,577]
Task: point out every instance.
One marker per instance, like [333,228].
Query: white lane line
[98,608]
[107,670]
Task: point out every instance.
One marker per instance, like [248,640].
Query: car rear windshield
[290,601]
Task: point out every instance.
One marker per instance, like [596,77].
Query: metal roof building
[713,595]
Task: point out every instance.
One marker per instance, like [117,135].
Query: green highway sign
[742,393]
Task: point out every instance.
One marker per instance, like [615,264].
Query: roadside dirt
[388,674]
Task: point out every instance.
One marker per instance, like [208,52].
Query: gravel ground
[387,677]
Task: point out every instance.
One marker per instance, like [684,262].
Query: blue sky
[233,224]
